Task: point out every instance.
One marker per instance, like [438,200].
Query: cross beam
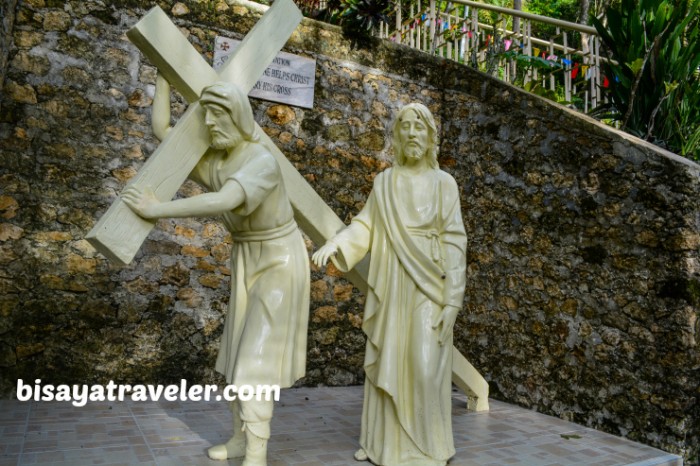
[163,44]
[120,232]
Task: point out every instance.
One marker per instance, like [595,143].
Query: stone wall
[7,13]
[583,288]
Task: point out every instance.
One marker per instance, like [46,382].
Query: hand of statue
[320,257]
[444,322]
[144,203]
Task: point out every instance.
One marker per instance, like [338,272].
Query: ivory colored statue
[264,337]
[412,227]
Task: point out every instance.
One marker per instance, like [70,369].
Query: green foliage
[523,68]
[312,9]
[546,69]
[491,17]
[654,84]
[566,10]
[361,17]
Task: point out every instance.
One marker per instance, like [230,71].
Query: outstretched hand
[444,322]
[320,257]
[144,203]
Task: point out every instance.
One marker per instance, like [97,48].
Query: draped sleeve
[355,241]
[258,176]
[454,239]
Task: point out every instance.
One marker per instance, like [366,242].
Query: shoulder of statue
[257,151]
[446,179]
[448,187]
[251,148]
[382,175]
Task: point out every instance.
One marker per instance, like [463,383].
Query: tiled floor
[311,427]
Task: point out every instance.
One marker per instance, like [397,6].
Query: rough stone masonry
[583,262]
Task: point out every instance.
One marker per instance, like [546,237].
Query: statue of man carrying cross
[264,337]
[265,332]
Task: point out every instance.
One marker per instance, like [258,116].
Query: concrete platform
[312,427]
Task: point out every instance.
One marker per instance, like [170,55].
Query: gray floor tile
[311,427]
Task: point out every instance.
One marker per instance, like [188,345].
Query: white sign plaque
[289,79]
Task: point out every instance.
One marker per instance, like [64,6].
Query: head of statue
[228,115]
[415,136]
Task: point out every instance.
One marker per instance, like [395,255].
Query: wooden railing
[500,42]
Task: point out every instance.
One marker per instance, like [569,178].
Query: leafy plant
[323,11]
[546,69]
[654,79]
[566,10]
[358,18]
[361,17]
[685,124]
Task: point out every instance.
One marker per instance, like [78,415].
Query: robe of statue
[264,336]
[417,245]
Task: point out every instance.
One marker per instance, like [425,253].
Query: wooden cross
[120,233]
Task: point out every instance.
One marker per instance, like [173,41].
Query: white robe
[265,332]
[417,243]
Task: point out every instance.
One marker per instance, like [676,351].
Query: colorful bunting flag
[507,43]
[574,71]
[606,82]
[537,51]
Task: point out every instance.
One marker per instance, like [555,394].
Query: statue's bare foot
[361,455]
[234,448]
